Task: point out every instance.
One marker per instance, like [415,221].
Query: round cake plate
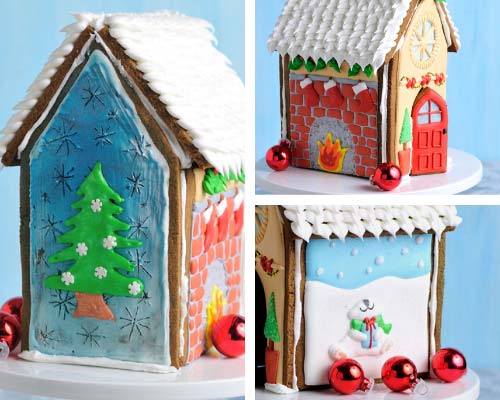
[206,378]
[466,388]
[464,172]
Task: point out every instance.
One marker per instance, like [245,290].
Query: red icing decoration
[370,324]
[223,221]
[364,102]
[10,330]
[228,335]
[387,177]
[238,219]
[346,376]
[267,265]
[333,97]
[211,230]
[430,139]
[14,307]
[310,95]
[449,365]
[279,157]
[399,374]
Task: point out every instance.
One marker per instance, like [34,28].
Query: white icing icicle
[327,221]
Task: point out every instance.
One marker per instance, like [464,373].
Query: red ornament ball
[387,177]
[228,335]
[346,376]
[10,330]
[279,157]
[399,374]
[13,306]
[449,365]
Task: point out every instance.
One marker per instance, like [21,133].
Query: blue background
[353,263]
[473,79]
[126,154]
[32,32]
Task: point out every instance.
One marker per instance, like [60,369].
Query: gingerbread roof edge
[206,100]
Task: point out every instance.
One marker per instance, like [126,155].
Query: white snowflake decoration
[82,249]
[421,264]
[67,278]
[134,288]
[96,205]
[320,271]
[109,242]
[101,272]
[405,251]
[379,260]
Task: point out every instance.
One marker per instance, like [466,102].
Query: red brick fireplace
[356,130]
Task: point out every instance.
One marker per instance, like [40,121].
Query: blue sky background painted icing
[97,122]
[355,262]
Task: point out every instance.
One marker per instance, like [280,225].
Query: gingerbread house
[364,82]
[130,144]
[363,282]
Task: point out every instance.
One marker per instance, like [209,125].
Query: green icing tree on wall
[92,248]
[406,135]
[271,330]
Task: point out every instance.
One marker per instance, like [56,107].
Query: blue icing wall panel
[356,262]
[96,121]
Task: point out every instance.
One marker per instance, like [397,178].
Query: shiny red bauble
[346,376]
[228,335]
[10,330]
[387,177]
[279,157]
[13,306]
[449,365]
[399,374]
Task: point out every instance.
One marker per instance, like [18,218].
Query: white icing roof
[355,31]
[176,53]
[339,221]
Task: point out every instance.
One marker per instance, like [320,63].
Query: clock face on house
[424,43]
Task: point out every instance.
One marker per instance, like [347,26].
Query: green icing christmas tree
[92,247]
[271,330]
[406,135]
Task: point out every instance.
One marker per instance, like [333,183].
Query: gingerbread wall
[216,243]
[356,129]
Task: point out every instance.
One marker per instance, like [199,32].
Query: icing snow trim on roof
[177,57]
[339,221]
[355,31]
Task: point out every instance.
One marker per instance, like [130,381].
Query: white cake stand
[207,378]
[464,172]
[466,388]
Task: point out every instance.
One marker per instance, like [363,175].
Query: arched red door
[430,134]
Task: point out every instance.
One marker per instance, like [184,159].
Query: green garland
[215,182]
[310,65]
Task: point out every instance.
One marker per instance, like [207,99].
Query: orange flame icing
[331,155]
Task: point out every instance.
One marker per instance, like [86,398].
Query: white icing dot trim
[339,221]
[109,242]
[82,249]
[355,31]
[67,278]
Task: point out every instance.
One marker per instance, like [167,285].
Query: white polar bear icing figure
[368,334]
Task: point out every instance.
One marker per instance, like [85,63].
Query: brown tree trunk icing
[92,306]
